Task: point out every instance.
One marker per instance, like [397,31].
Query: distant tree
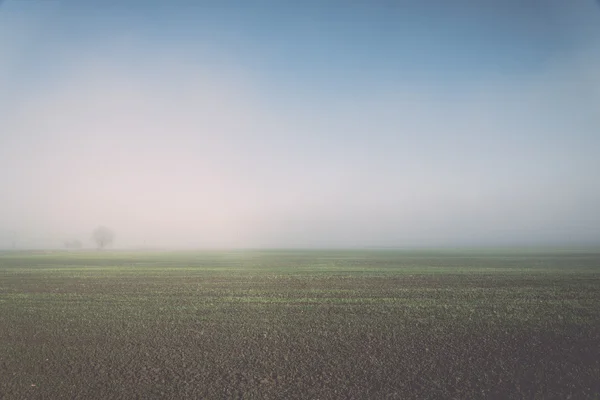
[73,244]
[103,237]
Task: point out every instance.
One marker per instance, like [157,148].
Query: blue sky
[230,123]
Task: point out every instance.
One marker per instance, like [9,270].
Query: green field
[291,324]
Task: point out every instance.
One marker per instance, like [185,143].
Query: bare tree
[103,236]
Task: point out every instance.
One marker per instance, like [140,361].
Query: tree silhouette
[103,237]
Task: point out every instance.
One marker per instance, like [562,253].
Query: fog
[214,137]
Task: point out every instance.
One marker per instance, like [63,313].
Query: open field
[377,324]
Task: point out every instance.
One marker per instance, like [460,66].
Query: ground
[291,324]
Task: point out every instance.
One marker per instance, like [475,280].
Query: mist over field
[228,125]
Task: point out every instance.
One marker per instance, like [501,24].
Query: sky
[300,124]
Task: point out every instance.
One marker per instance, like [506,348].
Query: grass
[300,324]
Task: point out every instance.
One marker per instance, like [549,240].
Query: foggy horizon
[308,125]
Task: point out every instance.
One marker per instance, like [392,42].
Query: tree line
[102,236]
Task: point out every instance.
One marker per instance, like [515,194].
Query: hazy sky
[322,123]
